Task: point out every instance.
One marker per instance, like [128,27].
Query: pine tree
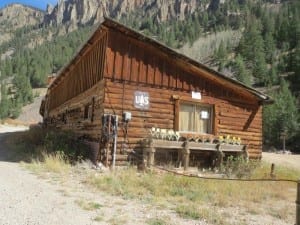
[221,55]
[4,103]
[241,72]
[251,48]
[270,47]
[281,116]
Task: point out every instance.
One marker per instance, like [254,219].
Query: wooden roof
[192,65]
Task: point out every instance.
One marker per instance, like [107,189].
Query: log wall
[230,118]
[70,115]
[133,66]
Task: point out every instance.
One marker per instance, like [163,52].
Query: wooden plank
[186,83]
[167,144]
[171,71]
[231,148]
[109,62]
[102,57]
[158,72]
[142,66]
[118,62]
[150,70]
[165,75]
[180,79]
[127,63]
[134,65]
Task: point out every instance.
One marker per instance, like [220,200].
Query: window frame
[179,102]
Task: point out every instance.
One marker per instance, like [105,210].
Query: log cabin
[125,85]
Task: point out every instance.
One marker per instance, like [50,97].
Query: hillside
[17,16]
[257,43]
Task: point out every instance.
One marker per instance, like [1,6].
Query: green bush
[66,143]
[238,167]
[38,142]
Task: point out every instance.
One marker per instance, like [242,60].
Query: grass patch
[189,211]
[54,163]
[117,220]
[37,142]
[99,218]
[195,212]
[281,172]
[156,221]
[89,206]
[191,195]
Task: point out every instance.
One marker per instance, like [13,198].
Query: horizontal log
[241,133]
[231,148]
[239,114]
[129,91]
[139,113]
[164,108]
[255,129]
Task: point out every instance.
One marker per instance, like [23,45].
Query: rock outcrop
[74,13]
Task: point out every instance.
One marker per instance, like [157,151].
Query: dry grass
[54,163]
[157,221]
[204,46]
[189,197]
[89,206]
[117,220]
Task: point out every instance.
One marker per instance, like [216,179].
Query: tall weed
[37,142]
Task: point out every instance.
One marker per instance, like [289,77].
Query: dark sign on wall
[141,100]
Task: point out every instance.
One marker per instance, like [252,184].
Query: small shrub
[56,163]
[89,206]
[189,211]
[239,167]
[36,143]
[49,163]
[65,141]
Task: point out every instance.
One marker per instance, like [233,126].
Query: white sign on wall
[141,100]
[196,95]
[204,115]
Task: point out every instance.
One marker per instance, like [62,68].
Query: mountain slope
[16,16]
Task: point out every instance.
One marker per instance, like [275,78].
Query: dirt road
[287,160]
[27,200]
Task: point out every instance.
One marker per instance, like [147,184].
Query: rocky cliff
[73,13]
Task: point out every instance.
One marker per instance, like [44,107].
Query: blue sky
[41,4]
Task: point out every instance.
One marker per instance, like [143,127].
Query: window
[87,112]
[195,118]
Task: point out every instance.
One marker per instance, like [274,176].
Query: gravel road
[27,200]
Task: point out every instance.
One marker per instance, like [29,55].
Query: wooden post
[272,173]
[246,153]
[220,156]
[151,152]
[186,155]
[151,157]
[298,204]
